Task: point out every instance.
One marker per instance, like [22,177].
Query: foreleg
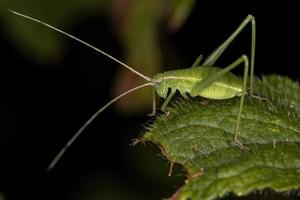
[153,103]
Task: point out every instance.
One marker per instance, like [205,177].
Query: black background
[42,106]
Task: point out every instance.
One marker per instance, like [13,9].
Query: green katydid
[201,79]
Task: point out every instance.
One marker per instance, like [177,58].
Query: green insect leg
[209,80]
[214,56]
[166,102]
[245,76]
[253,42]
[153,104]
[197,61]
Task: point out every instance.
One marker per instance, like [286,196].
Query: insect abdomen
[184,80]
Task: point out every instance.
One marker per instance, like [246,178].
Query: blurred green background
[51,84]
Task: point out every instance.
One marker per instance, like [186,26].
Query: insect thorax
[184,80]
[180,80]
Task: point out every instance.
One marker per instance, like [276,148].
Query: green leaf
[198,134]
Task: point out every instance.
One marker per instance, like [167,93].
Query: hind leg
[214,56]
[210,79]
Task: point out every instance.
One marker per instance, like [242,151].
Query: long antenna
[83,127]
[82,42]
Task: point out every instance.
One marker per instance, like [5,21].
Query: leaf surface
[198,134]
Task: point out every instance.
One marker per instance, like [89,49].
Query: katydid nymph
[201,79]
